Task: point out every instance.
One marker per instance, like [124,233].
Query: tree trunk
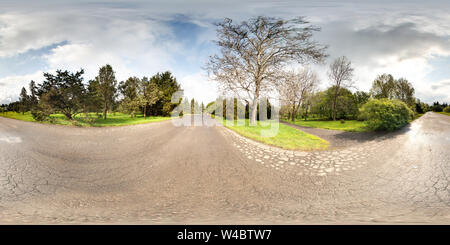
[105,110]
[334,104]
[293,114]
[334,109]
[253,113]
[255,102]
[145,111]
[306,113]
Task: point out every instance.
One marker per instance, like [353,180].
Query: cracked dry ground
[159,173]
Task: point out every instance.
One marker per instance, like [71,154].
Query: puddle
[11,140]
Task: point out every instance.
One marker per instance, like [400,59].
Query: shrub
[76,123]
[342,121]
[90,120]
[40,115]
[385,114]
[447,109]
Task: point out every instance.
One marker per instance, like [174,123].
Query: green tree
[130,91]
[346,106]
[107,84]
[44,107]
[383,87]
[437,107]
[421,107]
[24,101]
[192,106]
[186,106]
[4,108]
[150,94]
[404,91]
[94,99]
[33,95]
[63,92]
[361,98]
[167,84]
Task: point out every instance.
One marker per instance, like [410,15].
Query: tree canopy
[106,84]
[63,92]
[386,87]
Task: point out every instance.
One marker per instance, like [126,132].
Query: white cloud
[76,56]
[437,91]
[9,86]
[402,50]
[199,87]
[90,39]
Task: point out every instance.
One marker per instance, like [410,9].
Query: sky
[409,39]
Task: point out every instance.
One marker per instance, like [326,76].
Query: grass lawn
[444,113]
[349,125]
[14,115]
[287,137]
[113,119]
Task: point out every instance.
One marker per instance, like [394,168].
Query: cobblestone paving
[316,163]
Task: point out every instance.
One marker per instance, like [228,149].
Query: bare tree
[340,74]
[253,52]
[295,86]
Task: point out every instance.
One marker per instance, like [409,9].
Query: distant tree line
[437,107]
[240,109]
[64,92]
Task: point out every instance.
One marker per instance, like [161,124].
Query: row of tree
[341,103]
[251,65]
[437,107]
[252,62]
[65,93]
[298,90]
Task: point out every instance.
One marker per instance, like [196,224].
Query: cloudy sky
[409,39]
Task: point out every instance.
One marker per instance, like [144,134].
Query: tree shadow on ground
[345,139]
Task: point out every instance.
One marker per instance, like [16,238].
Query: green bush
[40,116]
[76,123]
[447,109]
[385,114]
[90,119]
